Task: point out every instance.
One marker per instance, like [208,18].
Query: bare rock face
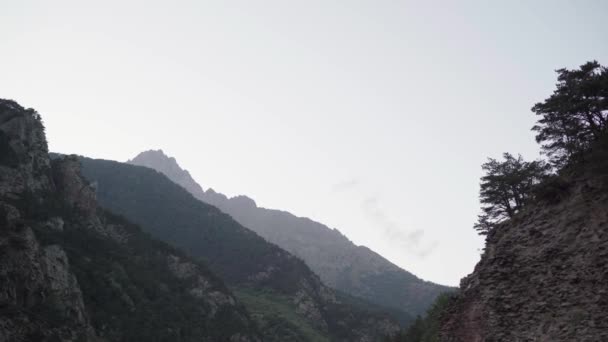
[37,281]
[200,287]
[308,307]
[544,274]
[34,280]
[23,152]
[76,193]
[79,197]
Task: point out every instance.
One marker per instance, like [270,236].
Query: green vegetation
[360,272]
[364,305]
[575,115]
[506,187]
[239,256]
[425,329]
[130,292]
[276,316]
[168,212]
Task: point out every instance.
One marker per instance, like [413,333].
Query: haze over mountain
[356,270]
[285,101]
[288,301]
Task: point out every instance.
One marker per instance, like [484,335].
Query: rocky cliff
[34,279]
[71,272]
[544,274]
[355,270]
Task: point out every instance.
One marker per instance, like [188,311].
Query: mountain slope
[242,258]
[543,275]
[72,272]
[355,270]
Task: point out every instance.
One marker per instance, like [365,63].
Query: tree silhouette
[506,187]
[575,115]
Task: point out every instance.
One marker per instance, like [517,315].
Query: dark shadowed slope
[281,284]
[72,272]
[356,270]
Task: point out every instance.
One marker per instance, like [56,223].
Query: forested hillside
[282,285]
[341,264]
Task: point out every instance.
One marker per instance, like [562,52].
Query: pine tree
[506,187]
[575,115]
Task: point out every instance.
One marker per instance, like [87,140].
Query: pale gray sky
[372,117]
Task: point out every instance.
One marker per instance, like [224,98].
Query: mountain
[71,271]
[544,273]
[289,301]
[355,270]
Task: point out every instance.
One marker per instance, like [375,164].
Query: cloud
[410,240]
[428,250]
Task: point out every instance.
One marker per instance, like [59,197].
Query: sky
[372,117]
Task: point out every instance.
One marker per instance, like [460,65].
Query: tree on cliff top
[575,115]
[506,187]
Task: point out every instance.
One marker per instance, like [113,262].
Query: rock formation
[544,274]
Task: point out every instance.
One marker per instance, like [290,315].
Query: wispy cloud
[411,240]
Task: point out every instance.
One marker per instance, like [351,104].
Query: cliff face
[355,270]
[544,274]
[34,279]
[71,272]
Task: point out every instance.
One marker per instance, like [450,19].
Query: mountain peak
[341,264]
[243,202]
[161,162]
[160,154]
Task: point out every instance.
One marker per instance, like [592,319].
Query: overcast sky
[372,117]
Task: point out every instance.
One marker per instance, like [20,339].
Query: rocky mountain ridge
[355,270]
[71,272]
[294,303]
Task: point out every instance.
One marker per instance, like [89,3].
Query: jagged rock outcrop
[544,274]
[70,271]
[35,280]
[356,270]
